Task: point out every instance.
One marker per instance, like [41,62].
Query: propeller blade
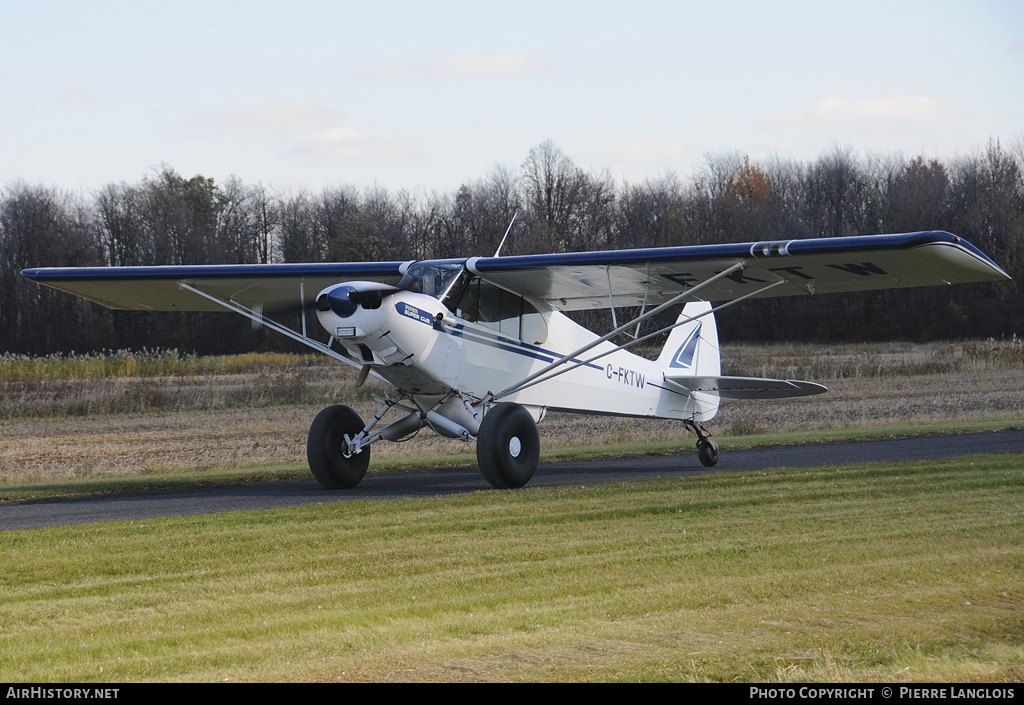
[257,320]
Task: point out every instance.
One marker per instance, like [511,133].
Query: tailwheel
[508,446]
[332,464]
[707,449]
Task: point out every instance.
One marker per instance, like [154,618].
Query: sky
[425,96]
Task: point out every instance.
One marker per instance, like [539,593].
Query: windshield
[432,277]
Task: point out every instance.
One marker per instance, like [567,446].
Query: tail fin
[692,349]
[692,365]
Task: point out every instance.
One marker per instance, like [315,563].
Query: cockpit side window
[501,311]
[475,300]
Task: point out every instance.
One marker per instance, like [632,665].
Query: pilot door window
[494,308]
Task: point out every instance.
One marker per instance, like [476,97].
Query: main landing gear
[338,446]
[707,449]
[333,464]
[508,446]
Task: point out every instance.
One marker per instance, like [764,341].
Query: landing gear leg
[707,449]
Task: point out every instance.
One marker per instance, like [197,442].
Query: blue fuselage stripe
[512,346]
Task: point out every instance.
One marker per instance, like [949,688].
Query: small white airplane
[480,348]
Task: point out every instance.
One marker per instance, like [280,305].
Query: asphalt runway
[436,482]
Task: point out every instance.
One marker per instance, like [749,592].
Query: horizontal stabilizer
[747,387]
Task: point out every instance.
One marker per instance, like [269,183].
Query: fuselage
[428,352]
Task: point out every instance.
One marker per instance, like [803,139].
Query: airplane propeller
[257,320]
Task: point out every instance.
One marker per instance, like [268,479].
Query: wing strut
[683,322]
[529,381]
[272,325]
[302,298]
[643,307]
[611,297]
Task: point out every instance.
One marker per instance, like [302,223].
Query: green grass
[883,572]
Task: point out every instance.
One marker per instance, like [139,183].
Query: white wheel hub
[515,446]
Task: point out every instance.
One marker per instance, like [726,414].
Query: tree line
[168,219]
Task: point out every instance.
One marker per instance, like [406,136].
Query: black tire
[707,451]
[332,468]
[508,446]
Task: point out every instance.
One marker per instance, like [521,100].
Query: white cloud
[299,123]
[270,119]
[340,135]
[650,151]
[304,130]
[833,110]
[343,144]
[464,66]
[77,98]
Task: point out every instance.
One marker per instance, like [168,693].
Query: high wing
[567,281]
[272,288]
[587,280]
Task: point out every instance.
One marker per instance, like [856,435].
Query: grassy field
[888,572]
[93,417]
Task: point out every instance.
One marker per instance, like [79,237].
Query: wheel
[508,446]
[707,451]
[331,467]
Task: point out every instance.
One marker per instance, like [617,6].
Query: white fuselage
[414,342]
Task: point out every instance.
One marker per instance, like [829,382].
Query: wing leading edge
[272,287]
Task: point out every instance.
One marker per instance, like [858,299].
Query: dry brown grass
[204,426]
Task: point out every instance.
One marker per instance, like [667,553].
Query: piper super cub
[480,348]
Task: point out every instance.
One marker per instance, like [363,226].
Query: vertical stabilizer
[692,349]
